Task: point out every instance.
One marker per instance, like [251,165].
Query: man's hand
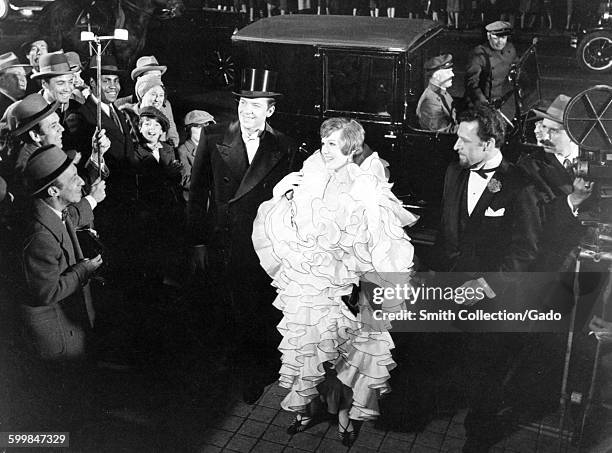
[287,184]
[92,264]
[582,191]
[198,259]
[602,329]
[474,291]
[100,142]
[98,190]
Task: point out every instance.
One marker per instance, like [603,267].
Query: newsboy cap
[44,166]
[439,62]
[499,28]
[199,117]
[152,112]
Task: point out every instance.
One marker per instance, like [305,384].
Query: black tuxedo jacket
[478,243]
[226,191]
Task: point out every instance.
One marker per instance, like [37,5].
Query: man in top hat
[59,313]
[435,108]
[13,81]
[233,173]
[489,65]
[195,122]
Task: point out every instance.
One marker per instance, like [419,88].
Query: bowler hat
[108,66]
[499,28]
[556,110]
[199,117]
[145,64]
[29,111]
[52,64]
[10,60]
[44,166]
[258,83]
[152,112]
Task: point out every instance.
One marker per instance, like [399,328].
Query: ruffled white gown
[339,228]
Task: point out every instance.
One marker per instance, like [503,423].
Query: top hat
[108,66]
[10,60]
[51,65]
[145,64]
[556,110]
[29,111]
[44,166]
[440,62]
[258,83]
[499,28]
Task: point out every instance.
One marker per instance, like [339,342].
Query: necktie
[483,172]
[115,117]
[64,215]
[446,106]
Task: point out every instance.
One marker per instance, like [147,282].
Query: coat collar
[52,223]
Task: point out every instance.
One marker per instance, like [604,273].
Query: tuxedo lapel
[233,152]
[266,158]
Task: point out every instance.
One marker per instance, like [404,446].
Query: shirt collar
[494,162]
[58,213]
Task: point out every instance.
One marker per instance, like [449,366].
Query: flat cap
[440,62]
[199,117]
[499,28]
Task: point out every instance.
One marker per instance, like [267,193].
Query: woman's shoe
[347,437]
[300,423]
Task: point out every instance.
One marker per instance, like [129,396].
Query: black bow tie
[482,172]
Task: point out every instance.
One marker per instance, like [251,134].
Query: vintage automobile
[25,8]
[370,69]
[594,43]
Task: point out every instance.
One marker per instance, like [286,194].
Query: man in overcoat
[435,108]
[489,236]
[233,173]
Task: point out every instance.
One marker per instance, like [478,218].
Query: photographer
[561,195]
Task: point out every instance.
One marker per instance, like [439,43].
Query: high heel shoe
[347,437]
[300,423]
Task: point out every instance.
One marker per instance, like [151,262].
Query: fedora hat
[10,60]
[74,60]
[145,64]
[258,83]
[29,111]
[52,65]
[44,166]
[108,66]
[27,45]
[556,110]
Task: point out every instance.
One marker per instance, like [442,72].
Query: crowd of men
[59,166]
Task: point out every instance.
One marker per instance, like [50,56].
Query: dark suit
[59,312]
[503,247]
[224,196]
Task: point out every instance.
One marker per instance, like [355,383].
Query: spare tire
[595,51]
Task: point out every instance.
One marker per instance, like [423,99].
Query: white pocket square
[491,213]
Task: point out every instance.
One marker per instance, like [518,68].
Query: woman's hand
[287,184]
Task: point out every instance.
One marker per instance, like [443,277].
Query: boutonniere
[494,185]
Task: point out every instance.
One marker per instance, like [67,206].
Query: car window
[360,83]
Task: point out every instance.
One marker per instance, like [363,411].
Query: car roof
[379,33]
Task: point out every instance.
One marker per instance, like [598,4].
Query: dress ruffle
[339,228]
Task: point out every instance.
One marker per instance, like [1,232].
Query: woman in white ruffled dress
[332,228]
